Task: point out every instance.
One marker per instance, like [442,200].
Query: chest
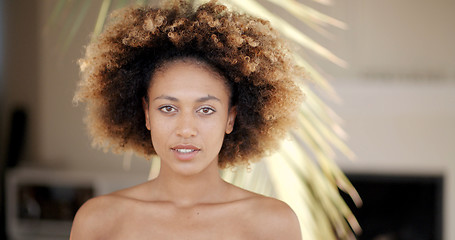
[164,222]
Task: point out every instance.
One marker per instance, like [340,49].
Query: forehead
[185,75]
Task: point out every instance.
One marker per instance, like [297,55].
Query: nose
[186,125]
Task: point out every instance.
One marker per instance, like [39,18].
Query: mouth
[185,152]
[185,148]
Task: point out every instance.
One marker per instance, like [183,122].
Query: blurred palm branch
[303,173]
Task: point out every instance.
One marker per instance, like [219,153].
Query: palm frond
[102,15]
[308,15]
[76,24]
[253,8]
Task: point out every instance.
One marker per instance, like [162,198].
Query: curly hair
[257,65]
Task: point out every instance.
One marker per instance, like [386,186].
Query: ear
[231,119]
[145,107]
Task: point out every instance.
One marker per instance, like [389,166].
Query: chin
[192,168]
[188,171]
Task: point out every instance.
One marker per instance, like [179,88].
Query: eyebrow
[202,99]
[209,97]
[166,98]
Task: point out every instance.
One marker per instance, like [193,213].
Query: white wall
[406,37]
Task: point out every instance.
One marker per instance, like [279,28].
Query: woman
[203,89]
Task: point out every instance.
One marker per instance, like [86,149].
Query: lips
[185,152]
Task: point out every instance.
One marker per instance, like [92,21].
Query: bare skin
[188,108]
[234,214]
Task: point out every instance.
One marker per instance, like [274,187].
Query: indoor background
[396,93]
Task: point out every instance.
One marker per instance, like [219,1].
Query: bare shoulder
[98,216]
[270,218]
[274,219]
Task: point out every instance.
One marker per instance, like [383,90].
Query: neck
[185,191]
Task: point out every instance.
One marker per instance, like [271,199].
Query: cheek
[213,132]
[159,131]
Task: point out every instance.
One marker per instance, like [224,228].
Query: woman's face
[188,115]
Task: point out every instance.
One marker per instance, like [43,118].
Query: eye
[167,109]
[206,110]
